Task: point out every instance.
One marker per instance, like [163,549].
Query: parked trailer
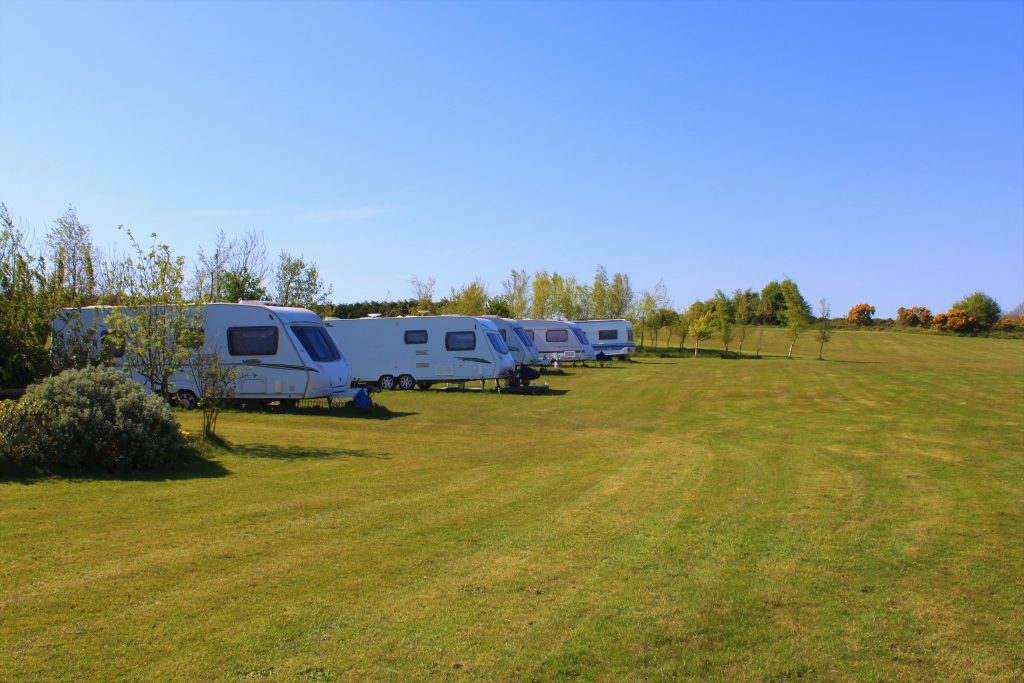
[558,340]
[523,350]
[419,351]
[611,337]
[281,353]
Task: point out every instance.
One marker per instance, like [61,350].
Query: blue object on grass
[362,399]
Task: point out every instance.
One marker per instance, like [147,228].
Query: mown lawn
[742,519]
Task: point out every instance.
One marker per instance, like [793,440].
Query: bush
[955,320]
[1009,323]
[96,418]
[981,307]
[915,316]
[861,314]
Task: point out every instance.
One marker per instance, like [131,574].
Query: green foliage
[215,381]
[499,305]
[701,329]
[242,285]
[155,319]
[981,307]
[796,311]
[725,316]
[297,283]
[516,291]
[772,304]
[745,305]
[96,418]
[824,328]
[470,299]
[361,309]
[27,307]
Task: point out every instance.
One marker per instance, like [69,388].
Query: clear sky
[872,151]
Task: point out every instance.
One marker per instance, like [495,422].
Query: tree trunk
[668,344]
[821,345]
[760,338]
[791,345]
[743,334]
[696,344]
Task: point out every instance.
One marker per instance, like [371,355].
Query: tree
[569,297]
[27,308]
[542,305]
[769,307]
[724,317]
[825,326]
[773,302]
[71,259]
[242,285]
[956,320]
[516,290]
[915,316]
[860,315]
[797,313]
[470,299]
[498,305]
[661,319]
[744,305]
[600,291]
[424,292]
[235,270]
[297,283]
[215,382]
[794,302]
[620,296]
[981,307]
[700,329]
[156,329]
[681,324]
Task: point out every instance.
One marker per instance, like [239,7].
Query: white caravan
[418,351]
[518,342]
[558,340]
[282,354]
[610,337]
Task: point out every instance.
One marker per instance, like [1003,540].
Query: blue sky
[874,152]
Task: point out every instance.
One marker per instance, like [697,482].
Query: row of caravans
[287,354]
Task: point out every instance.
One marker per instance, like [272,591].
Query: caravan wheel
[187,399]
[406,382]
[386,382]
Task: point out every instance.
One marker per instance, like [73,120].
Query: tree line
[66,270]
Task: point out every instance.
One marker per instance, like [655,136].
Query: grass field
[743,519]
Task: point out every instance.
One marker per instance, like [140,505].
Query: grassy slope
[752,519]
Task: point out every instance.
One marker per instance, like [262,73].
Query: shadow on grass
[377,412]
[190,465]
[304,452]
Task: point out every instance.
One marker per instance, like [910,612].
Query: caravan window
[252,341]
[556,335]
[318,344]
[604,335]
[528,340]
[497,343]
[460,341]
[415,336]
[580,336]
[629,333]
[504,335]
